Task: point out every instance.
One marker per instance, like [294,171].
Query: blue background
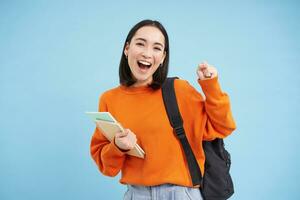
[57,57]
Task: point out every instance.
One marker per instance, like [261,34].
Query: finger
[213,71]
[131,133]
[128,130]
[202,66]
[127,143]
[206,71]
[132,137]
[121,134]
[207,74]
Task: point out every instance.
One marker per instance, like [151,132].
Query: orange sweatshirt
[142,110]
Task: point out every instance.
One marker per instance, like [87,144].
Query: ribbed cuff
[114,149]
[211,87]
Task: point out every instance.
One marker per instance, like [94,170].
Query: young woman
[138,105]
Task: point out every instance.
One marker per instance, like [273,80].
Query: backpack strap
[170,101]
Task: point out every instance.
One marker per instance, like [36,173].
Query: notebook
[109,126]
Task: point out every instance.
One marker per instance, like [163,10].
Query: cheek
[134,52]
[131,62]
[158,58]
[132,56]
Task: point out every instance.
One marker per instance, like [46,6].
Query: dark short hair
[161,73]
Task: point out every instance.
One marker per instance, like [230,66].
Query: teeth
[144,62]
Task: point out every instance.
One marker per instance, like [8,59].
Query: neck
[142,83]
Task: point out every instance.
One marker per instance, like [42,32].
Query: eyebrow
[155,43]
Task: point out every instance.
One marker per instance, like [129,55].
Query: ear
[126,49]
[164,56]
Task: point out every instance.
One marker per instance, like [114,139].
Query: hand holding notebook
[125,140]
[109,127]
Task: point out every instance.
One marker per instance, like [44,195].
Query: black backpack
[216,184]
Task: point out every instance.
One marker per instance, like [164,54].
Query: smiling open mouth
[144,65]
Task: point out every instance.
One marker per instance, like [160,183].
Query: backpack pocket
[217,182]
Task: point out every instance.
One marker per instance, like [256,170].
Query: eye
[140,44]
[157,48]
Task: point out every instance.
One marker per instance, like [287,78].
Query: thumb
[122,134]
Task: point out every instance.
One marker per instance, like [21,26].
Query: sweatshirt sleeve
[108,157]
[220,122]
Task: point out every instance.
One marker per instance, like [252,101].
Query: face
[145,53]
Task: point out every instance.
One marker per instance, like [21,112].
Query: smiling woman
[145,53]
[138,104]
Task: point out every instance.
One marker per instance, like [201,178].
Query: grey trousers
[162,192]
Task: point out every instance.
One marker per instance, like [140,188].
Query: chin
[141,79]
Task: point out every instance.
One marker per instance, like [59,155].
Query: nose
[146,53]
